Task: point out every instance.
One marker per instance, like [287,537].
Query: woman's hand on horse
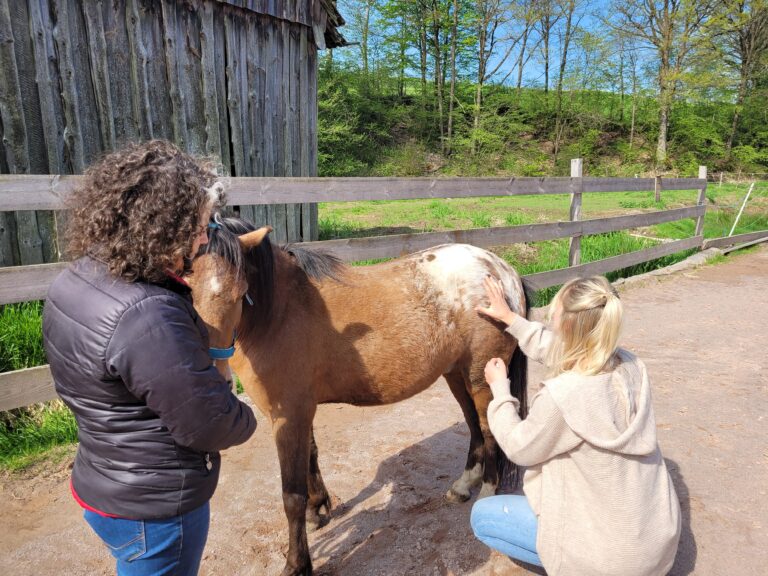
[498,308]
[496,372]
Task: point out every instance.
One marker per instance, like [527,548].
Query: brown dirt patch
[703,335]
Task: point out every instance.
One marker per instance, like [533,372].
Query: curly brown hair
[138,209]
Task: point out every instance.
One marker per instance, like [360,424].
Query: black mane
[258,265]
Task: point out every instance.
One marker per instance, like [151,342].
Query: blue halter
[224,353]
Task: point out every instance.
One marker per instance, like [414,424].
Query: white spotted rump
[455,273]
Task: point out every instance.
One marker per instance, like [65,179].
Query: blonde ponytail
[589,325]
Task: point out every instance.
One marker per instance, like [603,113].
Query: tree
[740,38]
[672,29]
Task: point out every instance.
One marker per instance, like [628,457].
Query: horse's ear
[253,239]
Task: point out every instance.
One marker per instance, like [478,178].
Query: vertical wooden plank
[48,87]
[219,66]
[188,54]
[142,109]
[269,59]
[701,200]
[74,145]
[293,137]
[84,81]
[273,116]
[6,244]
[97,46]
[234,105]
[118,57]
[30,244]
[255,112]
[15,144]
[38,105]
[170,37]
[159,72]
[252,83]
[14,124]
[305,132]
[208,79]
[314,230]
[574,249]
[657,188]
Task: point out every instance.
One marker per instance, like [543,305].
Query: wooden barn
[230,78]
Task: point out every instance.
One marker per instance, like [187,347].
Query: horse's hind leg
[481,396]
[319,504]
[473,471]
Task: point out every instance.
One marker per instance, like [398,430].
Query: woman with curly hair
[129,356]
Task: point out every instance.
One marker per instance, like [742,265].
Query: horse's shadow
[401,523]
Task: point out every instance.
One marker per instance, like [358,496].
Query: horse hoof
[456,497]
[293,571]
[487,490]
[316,522]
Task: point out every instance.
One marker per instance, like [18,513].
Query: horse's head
[227,272]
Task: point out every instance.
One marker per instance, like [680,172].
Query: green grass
[21,341]
[371,218]
[27,434]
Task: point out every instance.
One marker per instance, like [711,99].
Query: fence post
[657,188]
[574,248]
[702,199]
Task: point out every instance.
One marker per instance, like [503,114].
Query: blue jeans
[507,524]
[172,546]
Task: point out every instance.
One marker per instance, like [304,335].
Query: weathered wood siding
[78,78]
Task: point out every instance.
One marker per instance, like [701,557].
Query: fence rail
[49,192]
[23,283]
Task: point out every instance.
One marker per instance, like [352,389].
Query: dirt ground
[703,334]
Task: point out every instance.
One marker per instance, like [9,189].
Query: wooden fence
[18,284]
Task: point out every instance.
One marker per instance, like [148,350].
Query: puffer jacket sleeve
[157,350]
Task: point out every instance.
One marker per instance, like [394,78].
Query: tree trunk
[479,85]
[454,32]
[402,63]
[438,71]
[364,41]
[739,103]
[545,38]
[520,61]
[661,144]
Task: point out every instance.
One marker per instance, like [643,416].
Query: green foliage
[21,336]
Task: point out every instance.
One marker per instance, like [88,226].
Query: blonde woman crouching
[598,497]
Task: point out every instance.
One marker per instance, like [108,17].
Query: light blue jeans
[507,524]
[172,546]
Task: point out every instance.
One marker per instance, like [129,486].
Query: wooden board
[353,249]
[24,387]
[24,283]
[557,277]
[731,240]
[46,192]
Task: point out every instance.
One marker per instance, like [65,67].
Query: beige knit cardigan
[595,475]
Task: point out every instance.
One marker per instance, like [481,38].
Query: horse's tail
[511,474]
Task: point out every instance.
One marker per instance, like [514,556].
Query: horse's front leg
[482,396]
[319,506]
[292,436]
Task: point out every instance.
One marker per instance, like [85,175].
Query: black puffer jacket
[131,361]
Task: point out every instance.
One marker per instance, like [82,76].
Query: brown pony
[311,330]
